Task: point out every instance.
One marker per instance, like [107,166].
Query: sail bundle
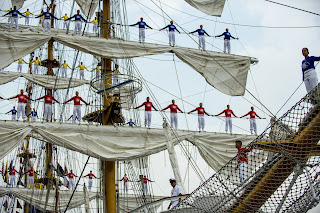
[225,72]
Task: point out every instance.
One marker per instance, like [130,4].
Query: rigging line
[293,7]
[229,74]
[242,25]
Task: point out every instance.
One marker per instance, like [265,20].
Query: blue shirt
[14,13]
[131,123]
[142,25]
[77,17]
[46,15]
[201,32]
[13,111]
[309,63]
[33,113]
[226,35]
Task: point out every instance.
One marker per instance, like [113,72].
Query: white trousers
[47,112]
[253,125]
[12,180]
[46,25]
[145,188]
[14,21]
[174,120]
[227,45]
[228,124]
[97,75]
[65,24]
[71,183]
[9,19]
[142,35]
[76,113]
[36,69]
[64,72]
[115,79]
[14,117]
[243,171]
[125,184]
[201,122]
[21,109]
[77,28]
[95,28]
[34,118]
[19,67]
[202,42]
[31,180]
[81,74]
[310,79]
[27,20]
[172,38]
[90,184]
[147,118]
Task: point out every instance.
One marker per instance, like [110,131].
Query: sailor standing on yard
[64,69]
[10,16]
[36,65]
[176,191]
[242,160]
[144,181]
[21,104]
[28,13]
[71,176]
[95,25]
[34,114]
[172,36]
[228,112]
[90,176]
[201,113]
[142,27]
[253,125]
[147,111]
[12,173]
[15,18]
[65,21]
[173,114]
[77,17]
[98,70]
[201,32]
[20,61]
[81,68]
[30,177]
[227,37]
[47,105]
[125,180]
[77,107]
[13,113]
[309,74]
[47,18]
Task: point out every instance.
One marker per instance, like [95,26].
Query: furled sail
[119,143]
[17,3]
[50,82]
[225,72]
[210,7]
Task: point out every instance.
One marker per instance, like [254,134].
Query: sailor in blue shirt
[47,20]
[227,37]
[34,114]
[172,37]
[77,17]
[131,123]
[309,74]
[14,17]
[13,113]
[201,32]
[142,27]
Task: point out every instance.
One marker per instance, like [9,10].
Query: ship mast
[109,166]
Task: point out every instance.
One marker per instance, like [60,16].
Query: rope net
[281,173]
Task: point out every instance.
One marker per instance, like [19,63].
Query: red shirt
[242,155]
[173,108]
[12,171]
[22,98]
[76,100]
[48,99]
[200,110]
[31,173]
[228,112]
[125,179]
[90,175]
[71,175]
[145,180]
[252,114]
[147,105]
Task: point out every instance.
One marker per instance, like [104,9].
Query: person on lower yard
[21,104]
[77,107]
[228,112]
[90,176]
[253,125]
[147,111]
[172,35]
[227,37]
[173,114]
[201,111]
[176,191]
[71,176]
[201,32]
[13,113]
[47,105]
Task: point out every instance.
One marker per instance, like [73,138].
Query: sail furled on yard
[119,143]
[226,72]
[210,7]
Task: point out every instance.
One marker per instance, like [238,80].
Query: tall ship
[87,89]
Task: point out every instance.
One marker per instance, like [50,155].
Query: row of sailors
[64,66]
[46,17]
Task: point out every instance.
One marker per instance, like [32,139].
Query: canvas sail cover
[37,197]
[226,72]
[210,7]
[119,143]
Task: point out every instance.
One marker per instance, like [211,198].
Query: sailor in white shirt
[176,191]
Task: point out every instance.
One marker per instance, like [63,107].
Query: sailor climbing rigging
[227,37]
[242,160]
[172,36]
[142,27]
[309,74]
[201,32]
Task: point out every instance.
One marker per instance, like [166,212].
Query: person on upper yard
[95,25]
[47,105]
[13,113]
[46,22]
[253,125]
[20,62]
[28,13]
[142,27]
[227,37]
[228,112]
[201,111]
[90,176]
[309,73]
[14,17]
[147,111]
[77,107]
[173,114]
[22,99]
[36,65]
[81,68]
[65,21]
[201,32]
[172,35]
[64,68]
[77,17]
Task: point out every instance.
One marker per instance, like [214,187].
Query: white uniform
[27,20]
[65,24]
[77,28]
[172,38]
[310,79]
[176,191]
[253,125]
[95,28]
[21,109]
[76,113]
[71,183]
[19,67]
[174,120]
[228,124]
[142,34]
[147,118]
[14,21]
[47,25]
[201,122]
[36,68]
[90,184]
[227,45]
[12,180]
[145,188]
[47,112]
[14,117]
[81,74]
[64,72]
[202,42]
[31,180]
[243,171]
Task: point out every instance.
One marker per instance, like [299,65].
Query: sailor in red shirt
[77,107]
[90,176]
[147,111]
[47,105]
[12,173]
[125,180]
[173,114]
[21,104]
[253,125]
[145,180]
[30,177]
[71,179]
[242,161]
[201,113]
[228,112]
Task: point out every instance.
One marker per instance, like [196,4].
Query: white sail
[17,3]
[225,72]
[210,7]
[119,143]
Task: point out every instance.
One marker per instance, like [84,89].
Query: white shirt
[175,192]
